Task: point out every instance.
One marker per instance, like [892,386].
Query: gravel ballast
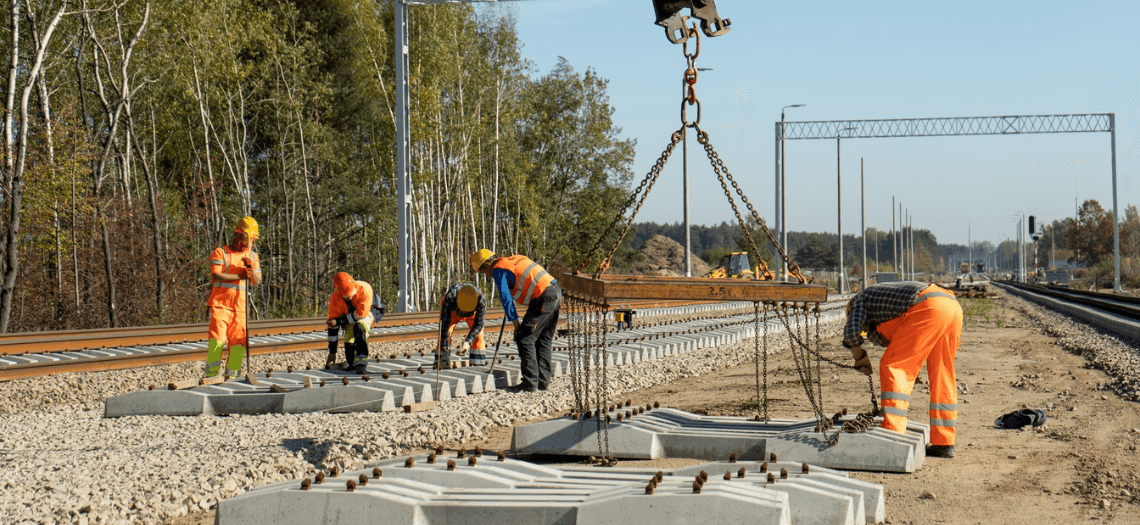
[62,462]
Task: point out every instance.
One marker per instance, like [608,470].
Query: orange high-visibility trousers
[929,332]
[479,344]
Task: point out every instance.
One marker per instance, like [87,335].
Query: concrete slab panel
[681,434]
[158,402]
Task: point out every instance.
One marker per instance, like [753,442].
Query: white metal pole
[685,191]
[1115,209]
[863,216]
[839,213]
[778,196]
[404,300]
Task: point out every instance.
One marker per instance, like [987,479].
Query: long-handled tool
[248,349]
[495,358]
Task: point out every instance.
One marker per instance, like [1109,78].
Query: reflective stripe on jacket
[229,294]
[531,279]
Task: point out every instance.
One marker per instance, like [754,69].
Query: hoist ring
[685,115]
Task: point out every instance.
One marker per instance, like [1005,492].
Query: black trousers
[535,337]
[357,349]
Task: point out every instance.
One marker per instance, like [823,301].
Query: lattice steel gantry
[958,126]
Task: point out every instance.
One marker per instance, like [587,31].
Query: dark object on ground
[1020,418]
[940,451]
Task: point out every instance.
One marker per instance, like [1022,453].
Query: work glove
[242,273]
[247,262]
[517,322]
[863,364]
[330,361]
[463,348]
[331,323]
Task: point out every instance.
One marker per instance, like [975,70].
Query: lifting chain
[642,190]
[801,342]
[766,403]
[722,173]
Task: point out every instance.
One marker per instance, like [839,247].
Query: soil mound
[666,257]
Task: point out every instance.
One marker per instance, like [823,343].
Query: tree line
[139,131]
[1085,240]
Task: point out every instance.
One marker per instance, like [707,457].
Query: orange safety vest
[531,279]
[229,294]
[361,303]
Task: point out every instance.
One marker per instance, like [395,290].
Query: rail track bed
[25,355]
[1117,314]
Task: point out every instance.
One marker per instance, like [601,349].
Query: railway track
[1117,314]
[24,355]
[1116,304]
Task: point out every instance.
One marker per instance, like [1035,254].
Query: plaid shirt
[450,305]
[878,304]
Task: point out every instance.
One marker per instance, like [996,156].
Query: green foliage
[976,307]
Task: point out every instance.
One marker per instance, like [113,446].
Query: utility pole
[894,239]
[863,216]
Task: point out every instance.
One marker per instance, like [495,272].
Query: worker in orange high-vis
[354,307]
[462,303]
[917,323]
[232,267]
[523,281]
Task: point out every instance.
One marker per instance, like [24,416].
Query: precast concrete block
[873,500]
[352,398]
[158,402]
[248,403]
[811,505]
[680,506]
[579,438]
[681,434]
[512,491]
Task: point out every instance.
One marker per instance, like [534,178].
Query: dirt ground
[1080,466]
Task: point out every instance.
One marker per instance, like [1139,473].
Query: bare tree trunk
[156,231]
[16,180]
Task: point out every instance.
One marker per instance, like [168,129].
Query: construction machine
[733,266]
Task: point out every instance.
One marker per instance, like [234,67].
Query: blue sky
[869,60]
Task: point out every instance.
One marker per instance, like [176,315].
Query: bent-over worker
[353,306]
[917,323]
[231,267]
[523,281]
[462,303]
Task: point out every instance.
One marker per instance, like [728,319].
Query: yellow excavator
[733,266]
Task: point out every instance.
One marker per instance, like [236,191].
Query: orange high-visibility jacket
[531,279]
[229,294]
[361,303]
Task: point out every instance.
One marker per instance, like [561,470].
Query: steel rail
[293,327]
[77,340]
[1125,306]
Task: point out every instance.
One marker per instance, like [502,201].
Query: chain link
[766,403]
[756,342]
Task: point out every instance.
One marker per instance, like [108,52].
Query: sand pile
[666,257]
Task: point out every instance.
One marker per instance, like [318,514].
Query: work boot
[940,451]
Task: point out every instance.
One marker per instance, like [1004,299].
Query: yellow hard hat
[467,298]
[480,257]
[247,225]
